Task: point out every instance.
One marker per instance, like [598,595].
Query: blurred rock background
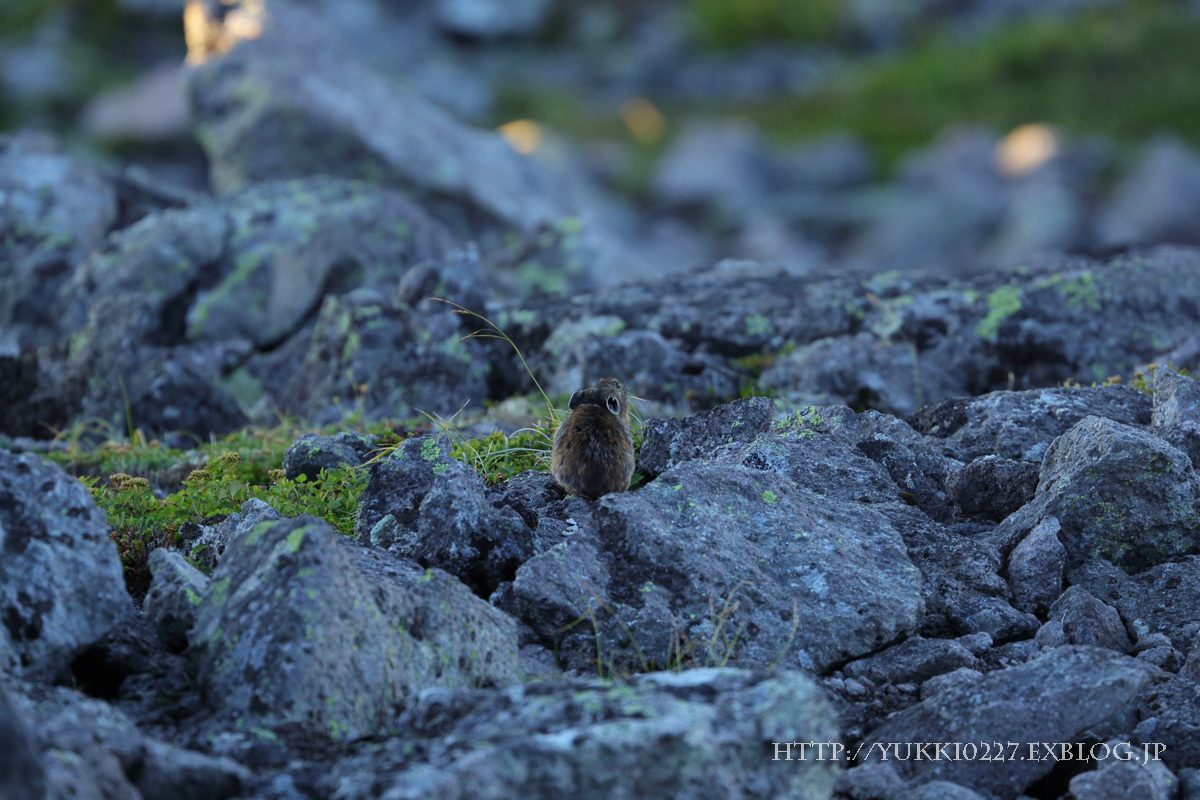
[927,135]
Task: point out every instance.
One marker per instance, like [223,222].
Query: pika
[593,448]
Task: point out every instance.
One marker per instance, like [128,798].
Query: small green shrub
[139,520]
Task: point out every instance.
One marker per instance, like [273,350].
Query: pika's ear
[614,405]
[575,400]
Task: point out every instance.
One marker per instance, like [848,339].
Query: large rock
[114,372]
[668,442]
[289,104]
[459,530]
[175,595]
[1050,699]
[716,563]
[1176,414]
[90,749]
[21,773]
[1118,493]
[1162,600]
[1158,199]
[61,583]
[370,354]
[863,371]
[256,265]
[303,626]
[53,211]
[652,367]
[1021,425]
[706,734]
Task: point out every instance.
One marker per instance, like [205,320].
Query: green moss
[1001,304]
[734,23]
[770,497]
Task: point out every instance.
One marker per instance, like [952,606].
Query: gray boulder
[1161,600]
[53,211]
[1169,716]
[1021,425]
[312,452]
[175,596]
[716,564]
[291,104]
[460,531]
[491,19]
[1079,618]
[21,773]
[398,484]
[1158,199]
[1035,568]
[992,486]
[668,442]
[303,626]
[91,749]
[703,734]
[1176,415]
[915,660]
[370,354]
[1050,699]
[1118,493]
[62,587]
[865,371]
[651,366]
[256,265]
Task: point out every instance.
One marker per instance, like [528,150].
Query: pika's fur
[593,448]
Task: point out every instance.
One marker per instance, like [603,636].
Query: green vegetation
[139,520]
[734,23]
[1125,71]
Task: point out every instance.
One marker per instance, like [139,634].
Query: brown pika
[593,448]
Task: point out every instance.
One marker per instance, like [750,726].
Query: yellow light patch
[1025,149]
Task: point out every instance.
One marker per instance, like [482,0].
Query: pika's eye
[614,405]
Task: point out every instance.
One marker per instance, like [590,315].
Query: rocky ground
[908,483]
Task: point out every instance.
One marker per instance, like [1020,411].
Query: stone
[175,595]
[320,110]
[1035,568]
[651,366]
[53,211]
[704,551]
[460,531]
[311,453]
[1156,199]
[491,19]
[915,660]
[707,734]
[668,442]
[1161,600]
[1050,699]
[992,486]
[302,626]
[861,370]
[1020,426]
[62,586]
[21,774]
[1118,493]
[1079,618]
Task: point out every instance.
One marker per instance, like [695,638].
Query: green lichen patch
[1001,304]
